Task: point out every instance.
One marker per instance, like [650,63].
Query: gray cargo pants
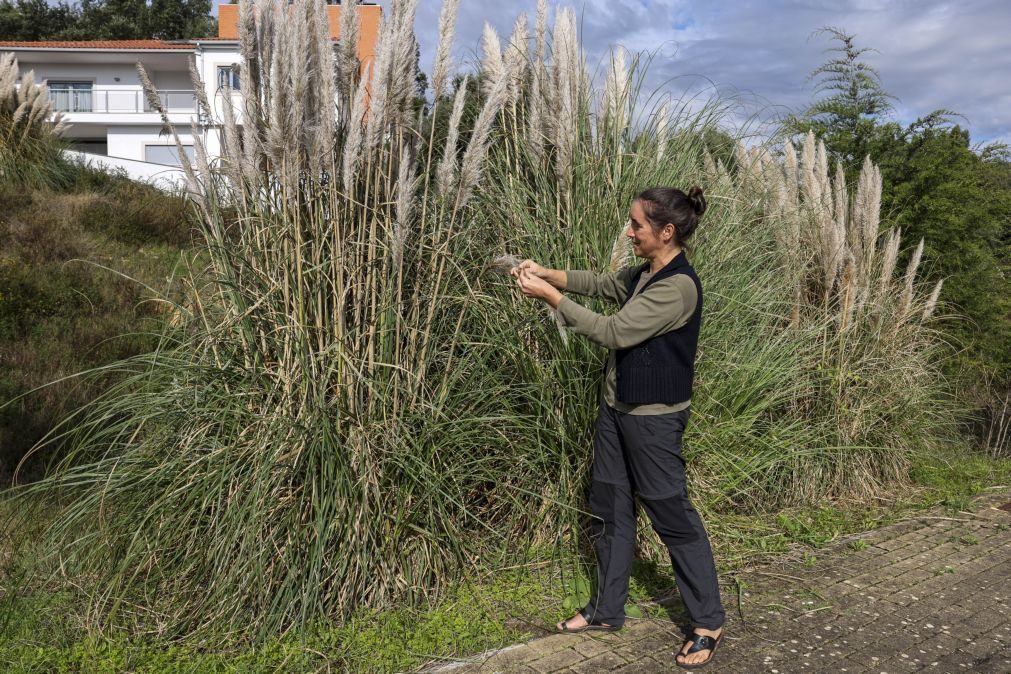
[641,454]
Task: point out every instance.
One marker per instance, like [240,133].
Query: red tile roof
[138,45]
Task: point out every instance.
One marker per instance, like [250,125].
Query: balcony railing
[108,100]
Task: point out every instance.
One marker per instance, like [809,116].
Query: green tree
[854,104]
[936,187]
[105,20]
[33,19]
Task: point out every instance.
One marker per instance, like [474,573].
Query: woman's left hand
[534,286]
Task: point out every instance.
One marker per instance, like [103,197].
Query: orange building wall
[368,31]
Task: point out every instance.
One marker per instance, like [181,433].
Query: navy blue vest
[661,369]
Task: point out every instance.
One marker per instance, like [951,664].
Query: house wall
[369,17]
[164,177]
[117,87]
[209,60]
[128,142]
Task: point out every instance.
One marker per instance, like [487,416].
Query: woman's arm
[609,285]
[666,305]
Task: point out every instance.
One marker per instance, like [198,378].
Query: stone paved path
[929,594]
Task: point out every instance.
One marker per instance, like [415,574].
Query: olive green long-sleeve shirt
[666,305]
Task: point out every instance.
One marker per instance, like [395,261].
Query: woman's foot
[574,623]
[686,659]
[578,623]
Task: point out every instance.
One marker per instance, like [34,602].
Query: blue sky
[930,53]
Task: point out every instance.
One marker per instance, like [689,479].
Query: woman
[644,406]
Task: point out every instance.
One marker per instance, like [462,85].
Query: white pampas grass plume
[354,142]
[791,172]
[503,264]
[446,172]
[891,254]
[516,58]
[347,56]
[493,66]
[535,112]
[568,78]
[406,183]
[199,89]
[928,309]
[477,148]
[811,184]
[662,131]
[621,250]
[447,28]
[914,263]
[613,108]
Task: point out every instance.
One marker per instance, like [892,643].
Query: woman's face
[645,242]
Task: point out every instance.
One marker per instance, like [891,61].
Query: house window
[166,154]
[69,96]
[228,77]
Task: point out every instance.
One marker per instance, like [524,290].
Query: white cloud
[931,54]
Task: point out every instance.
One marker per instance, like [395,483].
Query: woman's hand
[534,286]
[531,267]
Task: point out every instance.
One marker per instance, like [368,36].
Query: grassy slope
[479,613]
[60,313]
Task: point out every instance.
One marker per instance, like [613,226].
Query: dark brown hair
[667,204]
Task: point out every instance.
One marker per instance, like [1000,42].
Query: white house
[95,84]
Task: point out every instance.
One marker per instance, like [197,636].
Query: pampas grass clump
[352,413]
[30,129]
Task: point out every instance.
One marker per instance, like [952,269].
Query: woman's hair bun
[697,200]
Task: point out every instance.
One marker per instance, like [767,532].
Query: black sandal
[590,626]
[699,642]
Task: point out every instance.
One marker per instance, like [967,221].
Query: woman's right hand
[530,267]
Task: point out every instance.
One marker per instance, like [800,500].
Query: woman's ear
[670,232]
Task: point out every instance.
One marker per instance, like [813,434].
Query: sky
[757,55]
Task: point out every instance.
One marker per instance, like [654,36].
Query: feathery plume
[470,166]
[516,58]
[355,138]
[381,75]
[891,254]
[535,111]
[199,89]
[791,173]
[568,79]
[252,87]
[663,131]
[325,90]
[231,147]
[446,172]
[928,309]
[404,69]
[503,264]
[348,64]
[914,263]
[493,66]
[613,108]
[447,28]
[621,250]
[406,182]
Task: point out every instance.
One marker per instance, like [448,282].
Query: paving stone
[556,661]
[591,647]
[891,607]
[604,662]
